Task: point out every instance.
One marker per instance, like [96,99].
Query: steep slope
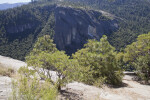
[136,14]
[74,26]
[79,91]
[20,27]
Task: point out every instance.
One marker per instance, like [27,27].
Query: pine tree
[138,54]
[98,63]
[45,58]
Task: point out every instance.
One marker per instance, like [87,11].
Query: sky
[13,1]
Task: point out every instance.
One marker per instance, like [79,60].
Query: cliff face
[73,27]
[19,28]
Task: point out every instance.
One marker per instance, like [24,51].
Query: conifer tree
[45,58]
[98,63]
[138,55]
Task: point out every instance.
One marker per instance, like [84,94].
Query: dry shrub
[6,71]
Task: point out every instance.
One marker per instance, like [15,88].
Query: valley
[73,27]
[74,23]
[75,50]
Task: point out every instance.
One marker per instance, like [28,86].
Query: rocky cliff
[73,27]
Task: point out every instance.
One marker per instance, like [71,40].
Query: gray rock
[75,26]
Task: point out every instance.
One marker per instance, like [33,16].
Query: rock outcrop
[75,26]
[131,90]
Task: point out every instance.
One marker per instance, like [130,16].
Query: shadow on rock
[67,95]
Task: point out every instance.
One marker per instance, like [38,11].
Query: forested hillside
[101,43]
[20,27]
[74,22]
[135,14]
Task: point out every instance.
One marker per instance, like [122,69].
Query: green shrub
[138,55]
[142,66]
[98,63]
[45,56]
[29,87]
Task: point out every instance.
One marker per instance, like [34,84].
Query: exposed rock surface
[5,82]
[19,28]
[75,26]
[12,63]
[132,90]
[5,87]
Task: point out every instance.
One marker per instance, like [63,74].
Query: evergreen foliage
[29,87]
[46,57]
[134,15]
[16,43]
[138,54]
[98,63]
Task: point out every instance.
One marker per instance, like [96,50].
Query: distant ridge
[5,6]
